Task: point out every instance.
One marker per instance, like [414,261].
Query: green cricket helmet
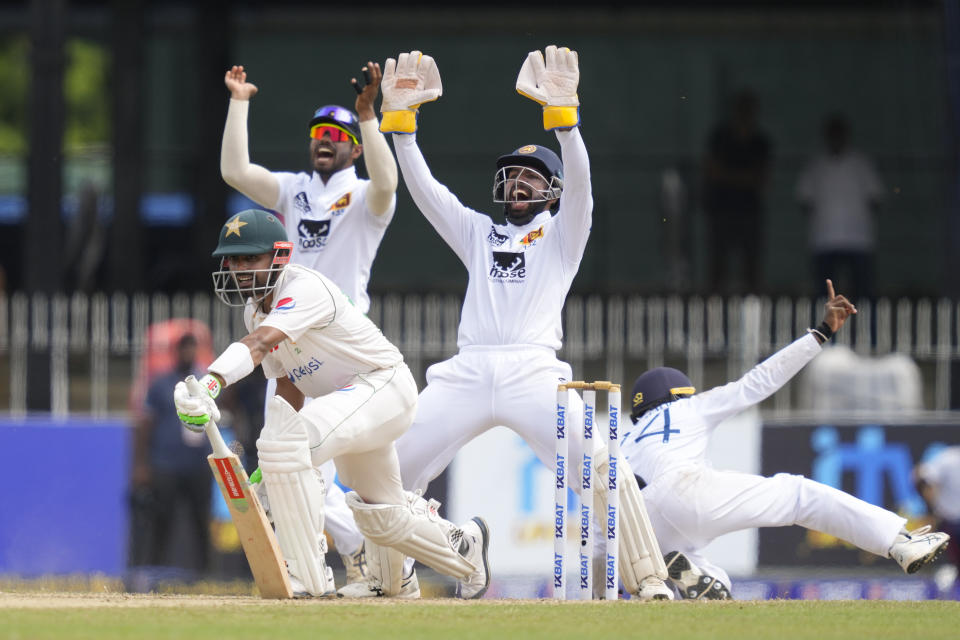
[249,233]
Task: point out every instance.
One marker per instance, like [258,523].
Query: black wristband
[825,329]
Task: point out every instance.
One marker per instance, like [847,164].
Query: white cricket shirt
[676,434]
[840,190]
[329,340]
[519,275]
[331,228]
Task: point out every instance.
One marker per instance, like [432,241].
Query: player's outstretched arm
[770,375]
[408,82]
[551,79]
[379,160]
[253,181]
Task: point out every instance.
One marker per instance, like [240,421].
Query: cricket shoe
[356,565]
[693,583]
[914,549]
[300,590]
[653,588]
[476,535]
[371,587]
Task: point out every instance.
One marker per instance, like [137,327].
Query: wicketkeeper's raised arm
[380,163]
[408,82]
[253,181]
[552,80]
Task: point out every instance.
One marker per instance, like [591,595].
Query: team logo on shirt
[495,238]
[531,238]
[285,304]
[508,266]
[300,202]
[313,233]
[340,205]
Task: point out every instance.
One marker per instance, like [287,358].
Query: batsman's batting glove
[553,83]
[408,82]
[195,401]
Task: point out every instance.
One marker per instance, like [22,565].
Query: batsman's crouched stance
[305,333]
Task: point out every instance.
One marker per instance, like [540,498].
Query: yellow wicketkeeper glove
[553,83]
[408,82]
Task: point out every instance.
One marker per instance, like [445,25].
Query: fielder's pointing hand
[367,92]
[838,309]
[236,81]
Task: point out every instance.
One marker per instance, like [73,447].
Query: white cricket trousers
[482,387]
[356,427]
[338,518]
[689,507]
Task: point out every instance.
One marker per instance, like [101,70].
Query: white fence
[93,342]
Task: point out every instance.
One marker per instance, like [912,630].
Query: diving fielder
[336,219]
[307,334]
[692,503]
[506,371]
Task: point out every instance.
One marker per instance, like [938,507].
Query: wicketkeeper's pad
[639,551]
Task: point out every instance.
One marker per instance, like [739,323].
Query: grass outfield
[102,617]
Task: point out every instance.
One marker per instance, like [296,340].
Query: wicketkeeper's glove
[408,82]
[553,83]
[195,401]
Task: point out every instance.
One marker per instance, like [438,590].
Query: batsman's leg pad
[296,495]
[415,529]
[385,566]
[640,555]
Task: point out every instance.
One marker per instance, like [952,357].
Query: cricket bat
[256,535]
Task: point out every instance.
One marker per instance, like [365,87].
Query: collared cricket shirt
[329,340]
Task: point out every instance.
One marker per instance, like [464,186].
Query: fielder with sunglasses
[507,371]
[335,220]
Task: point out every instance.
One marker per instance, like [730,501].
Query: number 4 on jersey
[653,423]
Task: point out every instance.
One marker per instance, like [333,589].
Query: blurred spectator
[170,469]
[86,243]
[735,175]
[840,191]
[938,481]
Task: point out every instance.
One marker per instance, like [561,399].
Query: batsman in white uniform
[692,503]
[506,372]
[336,219]
[306,333]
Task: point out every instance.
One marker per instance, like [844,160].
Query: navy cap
[657,386]
[340,116]
[531,155]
